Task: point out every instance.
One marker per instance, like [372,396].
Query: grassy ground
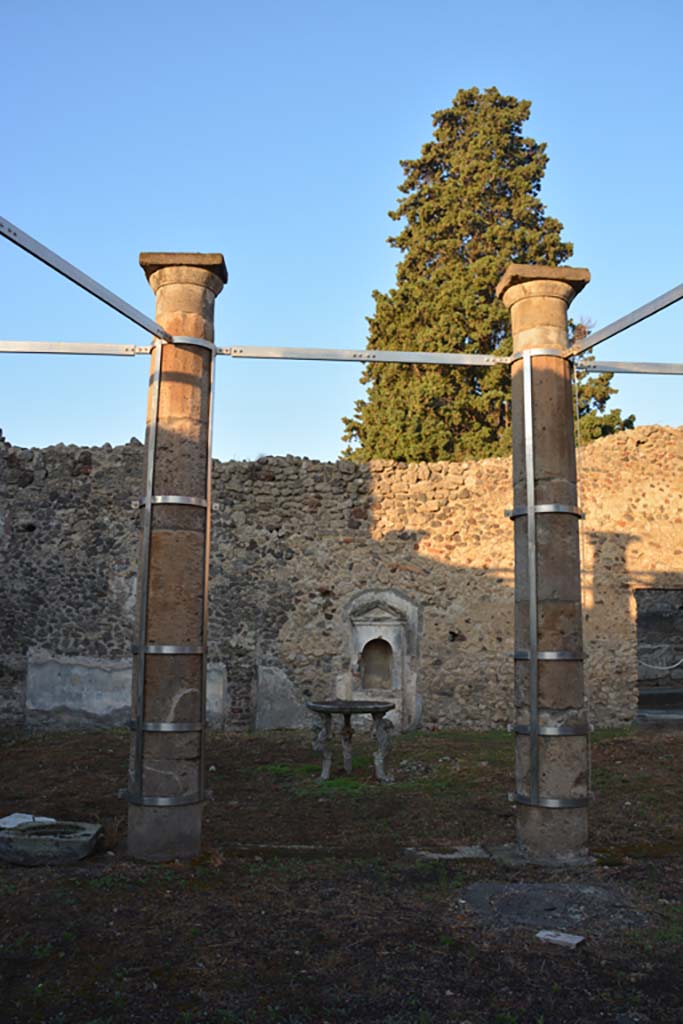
[304,907]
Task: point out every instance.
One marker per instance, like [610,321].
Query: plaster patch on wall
[277,706]
[87,691]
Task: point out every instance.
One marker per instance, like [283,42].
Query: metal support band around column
[549,801]
[549,656]
[172,499]
[554,730]
[166,801]
[165,726]
[528,352]
[522,510]
[181,339]
[169,649]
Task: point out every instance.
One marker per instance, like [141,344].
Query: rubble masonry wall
[293,542]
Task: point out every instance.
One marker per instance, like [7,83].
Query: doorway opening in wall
[376,665]
[660,653]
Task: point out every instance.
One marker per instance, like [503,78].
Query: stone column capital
[538,299]
[186,285]
[206,269]
[529,281]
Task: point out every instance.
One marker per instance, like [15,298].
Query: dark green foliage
[594,422]
[470,206]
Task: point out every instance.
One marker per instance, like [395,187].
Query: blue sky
[273,132]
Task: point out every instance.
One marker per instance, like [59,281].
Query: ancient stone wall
[294,544]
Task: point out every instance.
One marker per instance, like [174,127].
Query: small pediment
[377,612]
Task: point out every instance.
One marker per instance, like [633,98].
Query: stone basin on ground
[60,842]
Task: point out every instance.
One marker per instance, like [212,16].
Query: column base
[165,833]
[551,836]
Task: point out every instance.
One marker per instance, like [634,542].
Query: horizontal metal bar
[624,322]
[547,801]
[166,726]
[164,801]
[557,353]
[660,368]
[71,348]
[549,656]
[168,649]
[172,499]
[92,348]
[362,355]
[522,510]
[553,730]
[14,234]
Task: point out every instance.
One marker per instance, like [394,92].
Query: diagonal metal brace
[45,255]
[624,322]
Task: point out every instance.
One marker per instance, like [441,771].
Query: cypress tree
[470,205]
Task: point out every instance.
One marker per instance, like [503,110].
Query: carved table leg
[346,738]
[381,727]
[322,732]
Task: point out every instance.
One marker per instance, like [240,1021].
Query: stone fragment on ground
[19,818]
[565,939]
[459,853]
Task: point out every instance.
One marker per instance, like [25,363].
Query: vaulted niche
[383,636]
[375,665]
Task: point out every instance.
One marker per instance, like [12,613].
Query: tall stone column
[166,783]
[552,729]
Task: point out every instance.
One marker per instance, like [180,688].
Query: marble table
[322,732]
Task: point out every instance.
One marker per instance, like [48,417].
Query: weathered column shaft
[166,783]
[552,740]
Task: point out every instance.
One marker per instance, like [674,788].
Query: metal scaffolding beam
[635,317]
[45,255]
[88,348]
[661,368]
[362,355]
[73,348]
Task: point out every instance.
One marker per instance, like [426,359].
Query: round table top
[350,707]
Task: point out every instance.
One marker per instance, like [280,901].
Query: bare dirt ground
[306,909]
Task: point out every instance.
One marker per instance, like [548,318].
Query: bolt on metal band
[553,730]
[172,499]
[168,649]
[166,726]
[548,801]
[523,510]
[164,801]
[548,656]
